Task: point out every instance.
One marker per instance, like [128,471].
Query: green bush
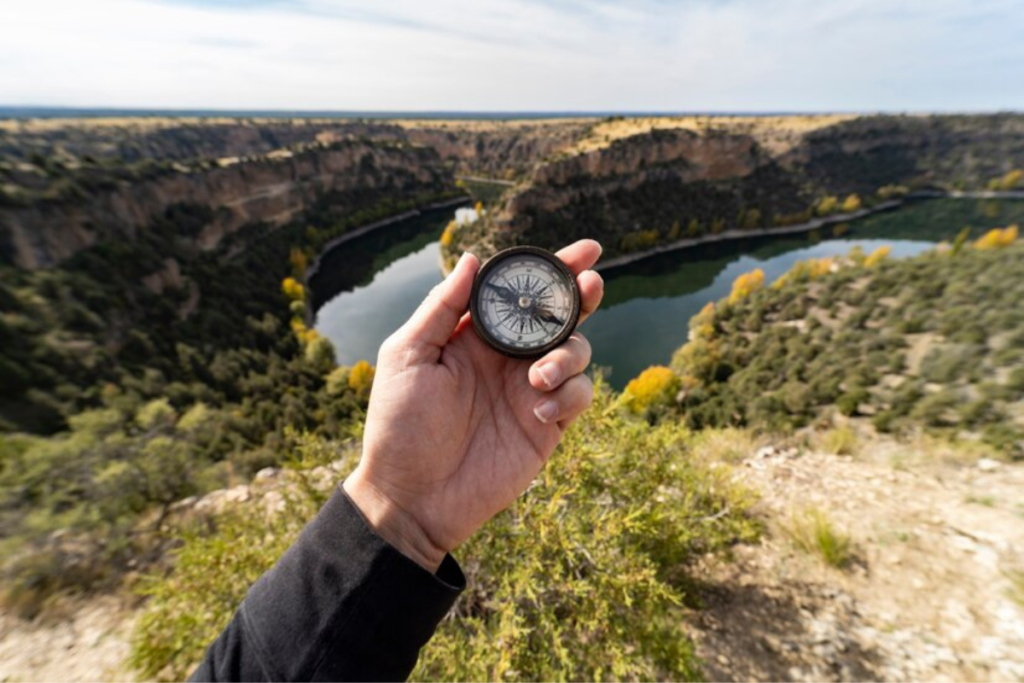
[748,364]
[582,578]
[216,562]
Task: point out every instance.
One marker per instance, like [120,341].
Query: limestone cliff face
[266,190]
[666,183]
[644,182]
[944,152]
[656,157]
[502,152]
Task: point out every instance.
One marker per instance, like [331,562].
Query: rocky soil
[79,641]
[928,595]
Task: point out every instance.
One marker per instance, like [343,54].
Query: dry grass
[138,123]
[777,133]
[488,125]
[814,533]
[725,445]
[838,441]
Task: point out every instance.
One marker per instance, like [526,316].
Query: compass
[525,302]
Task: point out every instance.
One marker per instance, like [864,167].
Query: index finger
[580,256]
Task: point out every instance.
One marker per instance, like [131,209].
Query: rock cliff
[214,202]
[635,184]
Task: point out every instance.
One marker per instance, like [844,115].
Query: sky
[515,55]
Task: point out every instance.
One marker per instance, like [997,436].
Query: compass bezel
[499,345]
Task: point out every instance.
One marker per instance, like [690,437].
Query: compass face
[525,302]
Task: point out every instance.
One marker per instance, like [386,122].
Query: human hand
[456,431]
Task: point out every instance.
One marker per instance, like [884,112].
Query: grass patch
[726,445]
[839,441]
[814,533]
[986,501]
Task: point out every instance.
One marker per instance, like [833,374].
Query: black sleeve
[340,605]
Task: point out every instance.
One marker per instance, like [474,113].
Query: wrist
[393,524]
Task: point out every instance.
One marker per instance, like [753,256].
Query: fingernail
[465,255]
[546,411]
[549,373]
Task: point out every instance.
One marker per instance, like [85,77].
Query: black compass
[525,302]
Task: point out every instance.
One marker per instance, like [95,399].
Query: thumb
[434,322]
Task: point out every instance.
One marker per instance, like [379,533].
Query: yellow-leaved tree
[360,378]
[998,238]
[877,256]
[655,385]
[299,260]
[827,205]
[293,289]
[746,284]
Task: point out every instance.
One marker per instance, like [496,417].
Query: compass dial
[525,302]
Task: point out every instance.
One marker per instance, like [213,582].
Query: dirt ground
[78,641]
[928,595]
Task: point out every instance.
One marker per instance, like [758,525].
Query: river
[370,285]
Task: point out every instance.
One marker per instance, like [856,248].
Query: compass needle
[524,302]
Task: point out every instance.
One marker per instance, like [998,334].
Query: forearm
[341,604]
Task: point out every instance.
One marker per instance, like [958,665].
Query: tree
[827,205]
[746,284]
[299,261]
[997,238]
[360,378]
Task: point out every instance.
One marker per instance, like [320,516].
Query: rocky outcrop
[674,179]
[221,200]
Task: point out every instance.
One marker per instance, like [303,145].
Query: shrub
[892,191]
[877,256]
[849,402]
[839,441]
[997,238]
[655,385]
[299,261]
[1008,181]
[827,205]
[746,284]
[360,377]
[448,236]
[639,240]
[293,289]
[581,578]
[851,203]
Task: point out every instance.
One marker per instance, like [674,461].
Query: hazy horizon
[515,56]
[62,111]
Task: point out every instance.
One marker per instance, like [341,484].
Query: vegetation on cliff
[639,183]
[143,370]
[932,342]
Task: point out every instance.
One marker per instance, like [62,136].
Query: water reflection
[369,286]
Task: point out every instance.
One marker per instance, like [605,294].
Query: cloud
[516,55]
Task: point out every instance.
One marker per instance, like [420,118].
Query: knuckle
[584,389]
[582,349]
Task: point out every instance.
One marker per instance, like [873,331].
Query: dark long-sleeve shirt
[340,605]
